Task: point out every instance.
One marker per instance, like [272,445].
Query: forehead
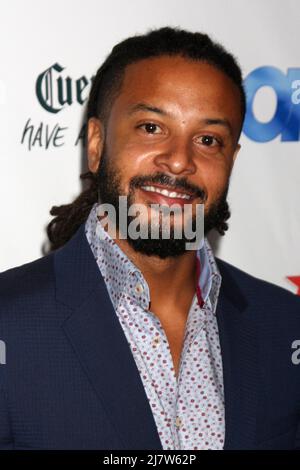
[182,84]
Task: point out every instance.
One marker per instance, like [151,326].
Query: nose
[176,157]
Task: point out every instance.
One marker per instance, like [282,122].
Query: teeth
[165,192]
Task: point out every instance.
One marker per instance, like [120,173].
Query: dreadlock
[105,87]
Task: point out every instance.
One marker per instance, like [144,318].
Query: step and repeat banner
[50,51]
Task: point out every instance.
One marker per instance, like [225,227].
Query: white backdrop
[263,238]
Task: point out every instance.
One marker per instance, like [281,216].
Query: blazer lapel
[102,348]
[239,347]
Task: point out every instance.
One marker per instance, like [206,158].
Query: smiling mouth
[170,194]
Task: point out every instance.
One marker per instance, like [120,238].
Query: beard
[110,189]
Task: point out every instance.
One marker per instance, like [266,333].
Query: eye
[150,128]
[210,141]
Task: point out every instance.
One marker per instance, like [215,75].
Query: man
[140,343]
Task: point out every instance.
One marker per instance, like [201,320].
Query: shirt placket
[154,361]
[195,326]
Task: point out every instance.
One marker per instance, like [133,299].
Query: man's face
[174,126]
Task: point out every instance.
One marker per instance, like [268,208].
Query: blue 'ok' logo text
[286,119]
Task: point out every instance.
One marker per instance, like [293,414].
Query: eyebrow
[147,107]
[154,109]
[220,122]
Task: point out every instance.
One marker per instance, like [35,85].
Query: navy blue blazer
[71,382]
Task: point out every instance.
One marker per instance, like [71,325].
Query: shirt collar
[123,278]
[210,278]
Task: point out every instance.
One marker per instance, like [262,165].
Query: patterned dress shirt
[189,409]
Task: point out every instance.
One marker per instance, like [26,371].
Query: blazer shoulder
[27,280]
[255,287]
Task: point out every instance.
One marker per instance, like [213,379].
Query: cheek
[131,158]
[128,163]
[215,177]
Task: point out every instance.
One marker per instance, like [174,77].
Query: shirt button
[139,289]
[156,341]
[178,422]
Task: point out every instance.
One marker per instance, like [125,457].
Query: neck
[171,280]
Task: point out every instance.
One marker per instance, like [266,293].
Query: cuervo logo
[55,92]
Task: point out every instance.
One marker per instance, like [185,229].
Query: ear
[95,143]
[236,152]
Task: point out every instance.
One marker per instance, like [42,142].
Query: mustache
[173,183]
